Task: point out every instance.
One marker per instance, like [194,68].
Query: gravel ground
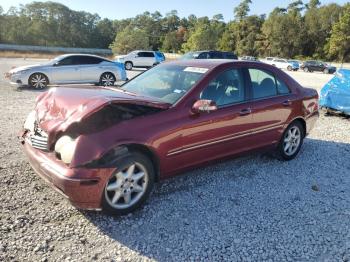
[253,208]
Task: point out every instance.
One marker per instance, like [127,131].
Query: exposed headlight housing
[65,147]
[30,121]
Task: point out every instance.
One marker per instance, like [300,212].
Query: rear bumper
[83,187]
[311,121]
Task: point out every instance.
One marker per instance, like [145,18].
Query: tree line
[299,30]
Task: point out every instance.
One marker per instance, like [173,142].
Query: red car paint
[177,138]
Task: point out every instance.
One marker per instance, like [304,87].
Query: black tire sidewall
[131,65]
[146,162]
[282,155]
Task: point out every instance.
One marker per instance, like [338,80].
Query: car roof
[79,54]
[209,63]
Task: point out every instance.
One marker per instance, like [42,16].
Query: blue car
[335,95]
[295,64]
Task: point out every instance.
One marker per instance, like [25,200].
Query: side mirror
[56,64]
[204,106]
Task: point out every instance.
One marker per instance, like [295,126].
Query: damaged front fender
[118,156]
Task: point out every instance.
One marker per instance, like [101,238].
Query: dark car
[105,148]
[249,58]
[209,55]
[312,65]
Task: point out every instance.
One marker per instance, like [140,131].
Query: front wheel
[129,187]
[107,79]
[38,81]
[289,68]
[291,141]
[128,65]
[326,71]
[306,69]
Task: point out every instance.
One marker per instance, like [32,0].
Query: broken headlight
[30,121]
[65,147]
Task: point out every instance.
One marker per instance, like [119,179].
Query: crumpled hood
[59,107]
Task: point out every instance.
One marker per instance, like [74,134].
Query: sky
[119,9]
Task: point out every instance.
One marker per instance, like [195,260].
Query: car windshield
[166,82]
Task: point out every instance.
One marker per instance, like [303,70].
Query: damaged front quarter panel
[115,157]
[96,150]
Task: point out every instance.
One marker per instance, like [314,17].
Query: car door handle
[245,112]
[287,103]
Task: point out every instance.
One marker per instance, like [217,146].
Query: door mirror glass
[204,106]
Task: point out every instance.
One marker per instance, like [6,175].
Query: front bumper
[15,79]
[83,187]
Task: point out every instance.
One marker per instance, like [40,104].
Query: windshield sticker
[178,91]
[196,70]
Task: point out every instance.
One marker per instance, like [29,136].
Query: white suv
[141,58]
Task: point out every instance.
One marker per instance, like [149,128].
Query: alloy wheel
[126,187]
[292,140]
[128,66]
[107,80]
[38,81]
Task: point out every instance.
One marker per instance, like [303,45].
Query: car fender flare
[301,120]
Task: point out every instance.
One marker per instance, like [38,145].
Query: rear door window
[90,60]
[146,54]
[216,55]
[265,84]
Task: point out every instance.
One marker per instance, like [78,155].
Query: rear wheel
[38,81]
[107,79]
[129,187]
[306,69]
[128,65]
[289,68]
[291,141]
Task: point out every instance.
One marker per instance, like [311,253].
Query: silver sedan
[69,69]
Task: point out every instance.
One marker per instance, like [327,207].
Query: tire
[326,71]
[289,68]
[306,69]
[38,81]
[107,79]
[294,136]
[128,65]
[125,185]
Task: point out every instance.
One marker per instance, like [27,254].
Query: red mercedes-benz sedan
[104,148]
